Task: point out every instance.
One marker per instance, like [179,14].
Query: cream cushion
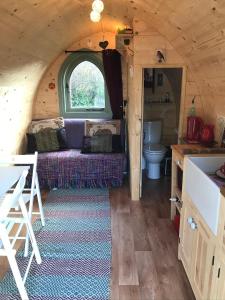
[36,126]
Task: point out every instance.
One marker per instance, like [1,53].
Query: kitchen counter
[185,149]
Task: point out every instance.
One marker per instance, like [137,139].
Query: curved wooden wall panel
[34,33]
[46,102]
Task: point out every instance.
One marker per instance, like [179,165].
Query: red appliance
[207,134]
[194,128]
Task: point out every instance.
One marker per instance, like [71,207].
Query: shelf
[178,206]
[125,35]
[178,193]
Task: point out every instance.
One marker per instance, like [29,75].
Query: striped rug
[75,246]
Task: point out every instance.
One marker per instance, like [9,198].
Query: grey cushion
[47,140]
[102,144]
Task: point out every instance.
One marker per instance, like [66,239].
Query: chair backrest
[12,201]
[16,159]
[25,159]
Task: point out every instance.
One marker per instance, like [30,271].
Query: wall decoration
[51,85]
[103,44]
[160,56]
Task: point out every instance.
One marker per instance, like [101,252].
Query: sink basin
[203,151]
[204,193]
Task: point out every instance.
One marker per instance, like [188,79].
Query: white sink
[203,191]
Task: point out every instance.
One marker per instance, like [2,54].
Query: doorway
[162,104]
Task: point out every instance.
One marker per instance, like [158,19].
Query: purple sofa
[71,168]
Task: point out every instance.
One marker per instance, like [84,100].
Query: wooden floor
[144,246]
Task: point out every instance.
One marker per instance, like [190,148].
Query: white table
[9,176]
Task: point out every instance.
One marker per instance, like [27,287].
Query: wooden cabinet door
[203,263]
[197,251]
[187,236]
[220,276]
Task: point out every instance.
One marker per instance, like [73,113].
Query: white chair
[33,190]
[6,224]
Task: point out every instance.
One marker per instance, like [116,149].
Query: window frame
[73,60]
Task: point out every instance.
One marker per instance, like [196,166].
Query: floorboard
[144,246]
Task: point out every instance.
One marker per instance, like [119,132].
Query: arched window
[82,88]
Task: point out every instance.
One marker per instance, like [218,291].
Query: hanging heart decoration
[103,44]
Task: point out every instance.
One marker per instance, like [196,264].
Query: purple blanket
[70,168]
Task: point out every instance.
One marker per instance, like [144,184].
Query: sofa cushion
[47,140]
[31,143]
[74,133]
[102,127]
[36,126]
[61,137]
[102,144]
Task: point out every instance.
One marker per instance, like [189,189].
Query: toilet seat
[154,148]
[153,151]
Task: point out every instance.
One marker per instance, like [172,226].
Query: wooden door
[141,139]
[203,260]
[187,236]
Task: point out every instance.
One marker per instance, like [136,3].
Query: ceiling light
[95,16]
[98,6]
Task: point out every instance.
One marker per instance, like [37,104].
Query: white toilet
[154,152]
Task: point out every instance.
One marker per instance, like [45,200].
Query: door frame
[140,71]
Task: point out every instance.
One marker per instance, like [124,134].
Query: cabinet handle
[178,162]
[173,199]
[218,275]
[190,220]
[194,226]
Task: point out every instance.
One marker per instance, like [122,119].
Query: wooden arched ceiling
[34,32]
[43,28]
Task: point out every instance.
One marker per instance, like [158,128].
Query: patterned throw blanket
[70,168]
